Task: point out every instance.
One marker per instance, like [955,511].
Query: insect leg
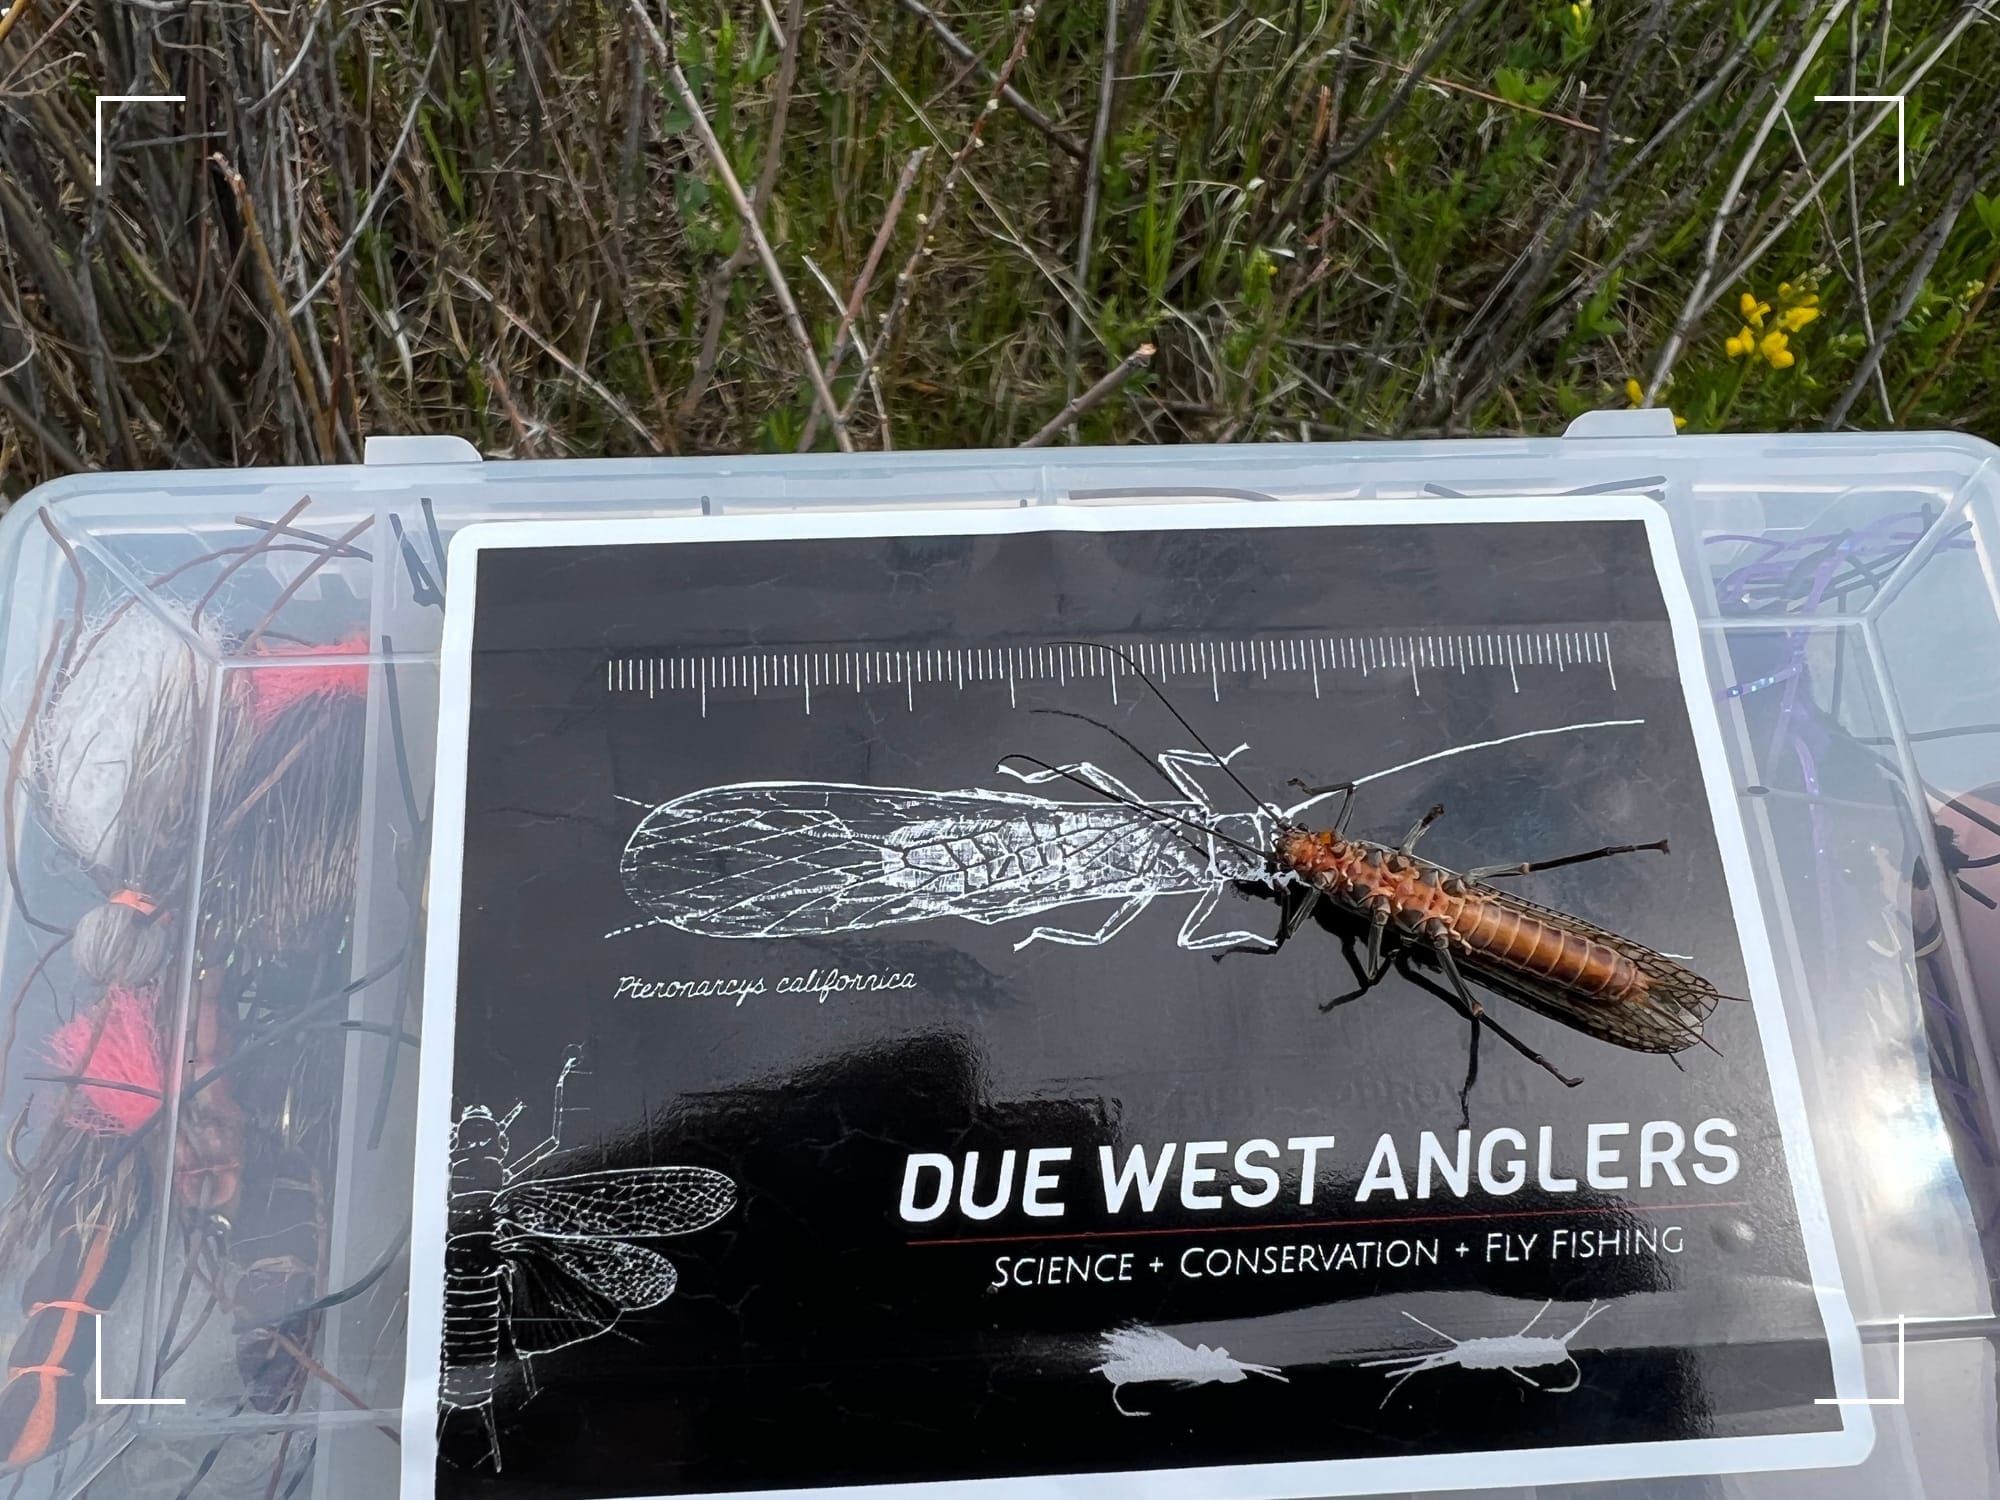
[1490,872]
[1230,942]
[1378,927]
[535,1155]
[1417,828]
[1564,1390]
[1424,982]
[1113,925]
[1174,766]
[1123,1411]
[1346,790]
[1364,983]
[1525,1379]
[1082,771]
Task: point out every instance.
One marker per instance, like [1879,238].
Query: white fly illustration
[1513,1353]
[783,859]
[1139,1355]
[536,1263]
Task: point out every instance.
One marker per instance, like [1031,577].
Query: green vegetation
[1333,219]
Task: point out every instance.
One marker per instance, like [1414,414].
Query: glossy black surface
[815,1337]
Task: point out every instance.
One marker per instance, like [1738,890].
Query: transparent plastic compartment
[1847,592]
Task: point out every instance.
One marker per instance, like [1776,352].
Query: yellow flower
[1680,422]
[1635,392]
[1753,310]
[1784,291]
[1798,317]
[1742,342]
[1772,347]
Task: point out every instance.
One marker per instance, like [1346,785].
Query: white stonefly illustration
[536,1263]
[779,859]
[786,859]
[1140,1355]
[1514,1353]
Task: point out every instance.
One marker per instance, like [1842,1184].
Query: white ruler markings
[1316,657]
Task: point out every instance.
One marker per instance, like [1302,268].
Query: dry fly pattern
[208,687]
[1416,912]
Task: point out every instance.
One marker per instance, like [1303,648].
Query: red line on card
[1126,1234]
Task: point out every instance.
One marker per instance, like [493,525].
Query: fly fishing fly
[1514,1353]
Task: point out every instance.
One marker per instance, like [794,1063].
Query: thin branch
[861,283]
[1095,397]
[569,365]
[1437,80]
[14,13]
[1093,172]
[381,186]
[1934,239]
[1854,211]
[906,277]
[1684,325]
[719,159]
[767,176]
[1064,142]
[1950,352]
[1907,85]
[301,370]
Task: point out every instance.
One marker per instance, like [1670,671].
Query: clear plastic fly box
[850,889]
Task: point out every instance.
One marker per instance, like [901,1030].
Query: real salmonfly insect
[1459,923]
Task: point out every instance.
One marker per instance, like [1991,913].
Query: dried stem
[1093,173]
[1913,287]
[719,160]
[906,277]
[1095,397]
[855,298]
[1064,142]
[767,175]
[308,388]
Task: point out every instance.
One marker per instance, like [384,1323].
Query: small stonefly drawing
[534,1264]
[1514,1353]
[1140,1355]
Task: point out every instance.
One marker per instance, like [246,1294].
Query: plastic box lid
[1846,587]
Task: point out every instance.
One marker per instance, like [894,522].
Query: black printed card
[1269,998]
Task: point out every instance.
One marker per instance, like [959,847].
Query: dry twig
[1095,397]
[719,160]
[1068,144]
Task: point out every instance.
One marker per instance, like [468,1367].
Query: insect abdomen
[473,1295]
[1527,944]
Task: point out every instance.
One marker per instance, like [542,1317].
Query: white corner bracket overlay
[103,99]
[97,1371]
[1895,99]
[1902,1388]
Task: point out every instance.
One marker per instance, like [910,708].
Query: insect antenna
[1179,718]
[1158,814]
[1116,734]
